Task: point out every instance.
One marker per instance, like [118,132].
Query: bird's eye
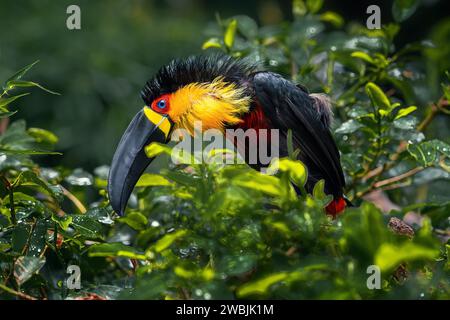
[161,104]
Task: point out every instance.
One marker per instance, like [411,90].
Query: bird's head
[210,89]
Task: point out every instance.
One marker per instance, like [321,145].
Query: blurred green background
[100,69]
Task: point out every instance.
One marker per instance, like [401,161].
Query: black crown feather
[199,69]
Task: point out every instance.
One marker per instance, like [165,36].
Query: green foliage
[213,231]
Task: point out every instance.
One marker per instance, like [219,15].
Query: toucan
[224,92]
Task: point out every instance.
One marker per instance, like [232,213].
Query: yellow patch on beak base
[215,104]
[158,120]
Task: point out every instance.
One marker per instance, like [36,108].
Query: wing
[289,107]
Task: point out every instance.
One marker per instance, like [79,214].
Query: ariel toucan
[223,92]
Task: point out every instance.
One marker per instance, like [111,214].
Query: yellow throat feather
[215,104]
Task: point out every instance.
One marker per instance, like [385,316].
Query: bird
[225,92]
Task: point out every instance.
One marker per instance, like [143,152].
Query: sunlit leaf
[6,101]
[333,18]
[151,180]
[167,240]
[21,83]
[314,5]
[261,286]
[390,256]
[377,96]
[363,56]
[135,220]
[115,250]
[211,43]
[62,221]
[405,111]
[42,135]
[295,169]
[230,33]
[299,8]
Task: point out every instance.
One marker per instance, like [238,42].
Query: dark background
[100,69]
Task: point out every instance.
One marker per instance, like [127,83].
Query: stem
[10,189]
[12,208]
[430,116]
[16,293]
[74,200]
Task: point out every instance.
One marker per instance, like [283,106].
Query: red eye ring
[161,104]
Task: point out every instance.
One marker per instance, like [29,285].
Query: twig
[74,200]
[17,293]
[389,181]
[398,178]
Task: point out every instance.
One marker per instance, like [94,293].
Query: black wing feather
[290,107]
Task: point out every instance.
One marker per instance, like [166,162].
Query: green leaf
[7,114]
[29,178]
[167,240]
[26,266]
[261,286]
[42,135]
[37,239]
[135,220]
[152,180]
[428,153]
[230,33]
[403,9]
[349,126]
[405,123]
[21,83]
[20,237]
[237,264]
[405,111]
[299,8]
[363,56]
[247,26]
[377,96]
[295,169]
[259,182]
[155,149]
[87,227]
[17,141]
[211,43]
[389,256]
[364,231]
[6,101]
[333,18]
[319,193]
[63,221]
[314,5]
[19,74]
[115,249]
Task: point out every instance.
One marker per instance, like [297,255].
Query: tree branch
[17,293]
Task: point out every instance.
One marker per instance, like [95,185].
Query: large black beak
[130,160]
